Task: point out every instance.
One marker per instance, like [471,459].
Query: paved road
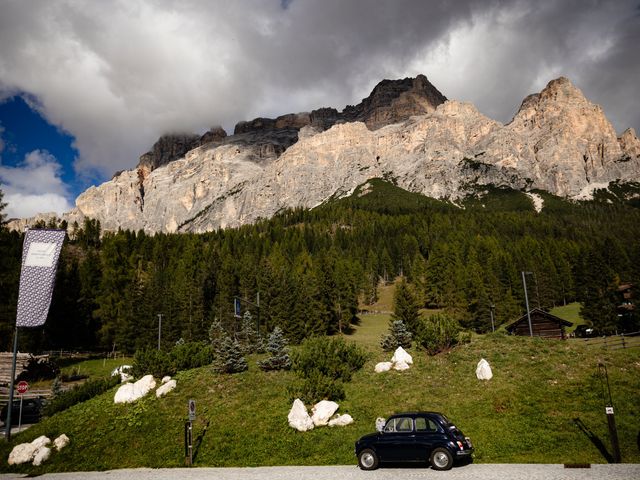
[469,472]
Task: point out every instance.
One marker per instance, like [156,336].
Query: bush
[324,364]
[187,355]
[398,336]
[42,368]
[80,393]
[438,333]
[151,361]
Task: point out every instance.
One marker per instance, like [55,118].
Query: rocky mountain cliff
[406,130]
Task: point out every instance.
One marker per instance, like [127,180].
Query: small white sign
[40,254]
[608,410]
[192,410]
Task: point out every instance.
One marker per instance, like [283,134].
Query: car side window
[425,425]
[401,424]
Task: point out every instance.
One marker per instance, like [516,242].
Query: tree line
[313,268]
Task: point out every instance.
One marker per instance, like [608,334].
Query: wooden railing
[613,342]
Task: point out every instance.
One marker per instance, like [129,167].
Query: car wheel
[368,459]
[441,459]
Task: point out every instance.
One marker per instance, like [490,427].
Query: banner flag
[40,254]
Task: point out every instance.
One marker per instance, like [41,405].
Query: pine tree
[405,306]
[278,352]
[248,337]
[398,336]
[229,357]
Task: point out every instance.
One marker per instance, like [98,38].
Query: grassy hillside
[526,413]
[570,312]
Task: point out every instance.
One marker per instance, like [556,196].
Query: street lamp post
[159,329]
[526,300]
[491,309]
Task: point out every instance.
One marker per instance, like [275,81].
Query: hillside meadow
[543,405]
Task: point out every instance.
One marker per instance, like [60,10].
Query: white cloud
[118,74]
[34,186]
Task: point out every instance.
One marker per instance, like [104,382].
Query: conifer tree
[278,352]
[398,336]
[405,306]
[229,357]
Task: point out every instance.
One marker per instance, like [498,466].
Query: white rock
[165,379]
[61,442]
[299,418]
[400,366]
[380,423]
[483,370]
[401,355]
[323,411]
[383,367]
[124,372]
[130,392]
[41,455]
[22,453]
[165,388]
[144,386]
[341,420]
[41,441]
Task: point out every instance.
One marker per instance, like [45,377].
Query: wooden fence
[613,342]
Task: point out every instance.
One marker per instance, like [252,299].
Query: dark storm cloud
[118,74]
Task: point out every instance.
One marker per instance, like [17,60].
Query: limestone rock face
[405,130]
[167,149]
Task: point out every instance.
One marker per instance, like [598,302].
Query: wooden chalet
[543,324]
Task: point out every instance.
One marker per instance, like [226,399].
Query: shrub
[324,364]
[187,355]
[279,353]
[151,361]
[42,368]
[398,336]
[80,393]
[438,332]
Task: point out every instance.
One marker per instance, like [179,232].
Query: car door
[396,444]
[428,433]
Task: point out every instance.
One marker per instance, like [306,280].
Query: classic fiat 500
[415,437]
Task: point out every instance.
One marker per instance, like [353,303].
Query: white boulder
[341,420]
[165,388]
[165,379]
[22,453]
[61,442]
[41,441]
[401,365]
[323,411]
[42,454]
[299,418]
[401,355]
[130,392]
[383,367]
[124,372]
[380,423]
[483,370]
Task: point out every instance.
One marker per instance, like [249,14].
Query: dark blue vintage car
[415,437]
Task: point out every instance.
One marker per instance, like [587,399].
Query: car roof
[417,414]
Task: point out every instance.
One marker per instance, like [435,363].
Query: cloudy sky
[87,86]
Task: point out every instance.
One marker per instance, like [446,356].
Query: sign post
[188,433]
[22,387]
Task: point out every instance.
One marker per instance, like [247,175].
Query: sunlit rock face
[405,131]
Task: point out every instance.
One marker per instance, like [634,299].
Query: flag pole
[7,433]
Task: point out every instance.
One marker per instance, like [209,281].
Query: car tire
[441,459]
[368,459]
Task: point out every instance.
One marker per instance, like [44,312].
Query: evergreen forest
[314,269]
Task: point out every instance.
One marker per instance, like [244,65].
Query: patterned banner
[40,254]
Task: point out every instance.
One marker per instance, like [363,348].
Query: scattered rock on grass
[483,370]
[165,388]
[299,418]
[322,412]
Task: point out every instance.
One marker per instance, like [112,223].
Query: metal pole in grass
[526,300]
[491,309]
[611,421]
[159,329]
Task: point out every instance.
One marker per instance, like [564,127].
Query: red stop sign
[22,387]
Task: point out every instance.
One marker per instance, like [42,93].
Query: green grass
[94,368]
[570,312]
[524,414]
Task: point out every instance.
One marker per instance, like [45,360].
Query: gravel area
[469,472]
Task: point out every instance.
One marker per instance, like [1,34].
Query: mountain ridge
[406,129]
